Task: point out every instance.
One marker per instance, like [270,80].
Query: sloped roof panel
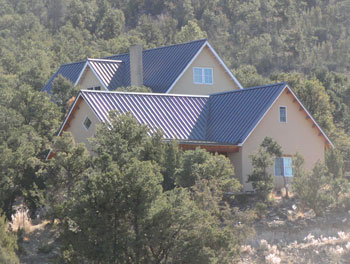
[69,71]
[233,115]
[179,117]
[161,66]
[107,70]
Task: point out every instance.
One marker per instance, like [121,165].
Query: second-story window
[202,75]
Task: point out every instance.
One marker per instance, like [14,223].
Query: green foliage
[62,91]
[334,163]
[261,179]
[312,188]
[70,164]
[190,32]
[136,89]
[261,209]
[127,209]
[28,120]
[8,243]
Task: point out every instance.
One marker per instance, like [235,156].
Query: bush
[260,178]
[8,243]
[260,209]
[312,188]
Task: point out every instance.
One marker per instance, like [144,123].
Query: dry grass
[21,220]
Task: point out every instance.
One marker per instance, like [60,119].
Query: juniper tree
[261,179]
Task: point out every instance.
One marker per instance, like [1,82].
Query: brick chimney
[136,65]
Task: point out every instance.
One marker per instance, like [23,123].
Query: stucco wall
[236,160]
[295,135]
[77,128]
[89,80]
[221,80]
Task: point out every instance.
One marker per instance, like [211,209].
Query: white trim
[203,75]
[69,113]
[279,114]
[93,71]
[184,70]
[86,128]
[251,131]
[224,65]
[150,94]
[117,61]
[291,91]
[81,73]
[206,44]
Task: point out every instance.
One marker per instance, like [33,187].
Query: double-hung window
[284,167]
[202,75]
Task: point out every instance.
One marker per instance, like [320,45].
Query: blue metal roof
[179,117]
[69,71]
[233,115]
[108,70]
[161,66]
[225,118]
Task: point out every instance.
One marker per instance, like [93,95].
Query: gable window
[202,75]
[283,114]
[284,167]
[87,123]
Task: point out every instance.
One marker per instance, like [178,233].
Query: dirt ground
[284,235]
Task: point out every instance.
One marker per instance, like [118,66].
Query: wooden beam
[210,148]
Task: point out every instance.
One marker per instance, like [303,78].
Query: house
[188,68]
[233,123]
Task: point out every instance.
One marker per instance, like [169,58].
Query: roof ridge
[106,60]
[126,53]
[161,47]
[249,88]
[147,94]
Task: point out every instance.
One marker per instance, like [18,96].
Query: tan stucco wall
[236,160]
[221,80]
[77,128]
[295,135]
[89,79]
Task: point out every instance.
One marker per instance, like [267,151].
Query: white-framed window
[87,123]
[284,166]
[202,75]
[283,114]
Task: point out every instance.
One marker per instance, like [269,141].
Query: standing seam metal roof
[180,117]
[161,66]
[225,118]
[234,114]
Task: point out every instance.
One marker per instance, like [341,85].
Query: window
[202,75]
[283,166]
[87,123]
[283,114]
